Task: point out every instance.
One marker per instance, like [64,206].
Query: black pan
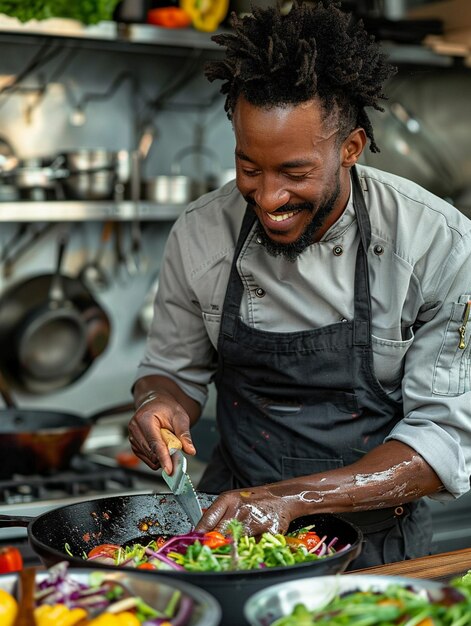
[52,339]
[129,519]
[19,305]
[36,441]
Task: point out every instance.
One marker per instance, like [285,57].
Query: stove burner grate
[84,477]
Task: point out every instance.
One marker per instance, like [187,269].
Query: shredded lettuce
[240,552]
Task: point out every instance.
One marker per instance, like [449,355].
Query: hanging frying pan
[19,303]
[51,338]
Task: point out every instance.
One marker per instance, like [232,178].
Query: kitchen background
[133,97]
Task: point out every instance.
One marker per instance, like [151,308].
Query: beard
[320,212]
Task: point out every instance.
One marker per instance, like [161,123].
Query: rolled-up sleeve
[178,345]
[437,376]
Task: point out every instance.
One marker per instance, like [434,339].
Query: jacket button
[338,250]
[259,292]
[378,250]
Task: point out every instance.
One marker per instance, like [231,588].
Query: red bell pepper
[10,560]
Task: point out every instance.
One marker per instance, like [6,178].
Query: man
[327,300]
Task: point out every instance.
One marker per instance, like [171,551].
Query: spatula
[179,482]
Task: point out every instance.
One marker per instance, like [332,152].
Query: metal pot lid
[23,297]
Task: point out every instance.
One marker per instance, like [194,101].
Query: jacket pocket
[452,371]
[388,359]
[212,324]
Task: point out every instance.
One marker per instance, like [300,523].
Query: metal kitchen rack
[111,36]
[75,211]
[146,38]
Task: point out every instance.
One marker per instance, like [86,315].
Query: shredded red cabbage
[179,543]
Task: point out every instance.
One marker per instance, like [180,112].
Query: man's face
[289,169]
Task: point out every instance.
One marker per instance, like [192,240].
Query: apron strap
[362,304]
[235,287]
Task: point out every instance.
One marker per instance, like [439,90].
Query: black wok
[135,518]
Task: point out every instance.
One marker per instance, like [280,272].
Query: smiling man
[293,185]
[328,301]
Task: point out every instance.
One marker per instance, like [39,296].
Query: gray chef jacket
[420,282]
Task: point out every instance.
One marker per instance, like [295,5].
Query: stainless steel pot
[178,188]
[36,178]
[92,174]
[169,189]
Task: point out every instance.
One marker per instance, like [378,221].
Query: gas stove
[30,496]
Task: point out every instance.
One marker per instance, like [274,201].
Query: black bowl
[129,519]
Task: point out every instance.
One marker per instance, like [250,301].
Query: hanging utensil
[23,245]
[92,273]
[121,269]
[146,312]
[136,260]
[179,482]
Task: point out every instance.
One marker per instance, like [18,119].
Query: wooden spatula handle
[25,615]
[170,439]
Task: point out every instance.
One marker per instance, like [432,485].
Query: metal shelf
[75,211]
[148,38]
[109,35]
[405,54]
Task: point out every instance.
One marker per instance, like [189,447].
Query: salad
[215,552]
[394,605]
[63,600]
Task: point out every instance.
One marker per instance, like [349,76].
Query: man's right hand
[159,410]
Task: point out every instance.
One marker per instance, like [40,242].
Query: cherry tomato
[104,549]
[10,560]
[214,540]
[310,539]
[146,566]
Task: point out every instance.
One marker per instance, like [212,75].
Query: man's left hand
[257,508]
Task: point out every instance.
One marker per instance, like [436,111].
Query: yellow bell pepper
[8,608]
[58,615]
[206,15]
[121,619]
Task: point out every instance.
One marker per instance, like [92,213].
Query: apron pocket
[292,467]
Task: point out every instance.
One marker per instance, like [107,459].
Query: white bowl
[268,605]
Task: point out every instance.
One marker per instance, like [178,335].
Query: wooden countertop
[441,567]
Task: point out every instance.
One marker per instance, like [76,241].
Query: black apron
[299,403]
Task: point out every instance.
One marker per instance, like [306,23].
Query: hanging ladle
[92,274]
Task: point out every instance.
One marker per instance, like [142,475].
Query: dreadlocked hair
[314,51]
